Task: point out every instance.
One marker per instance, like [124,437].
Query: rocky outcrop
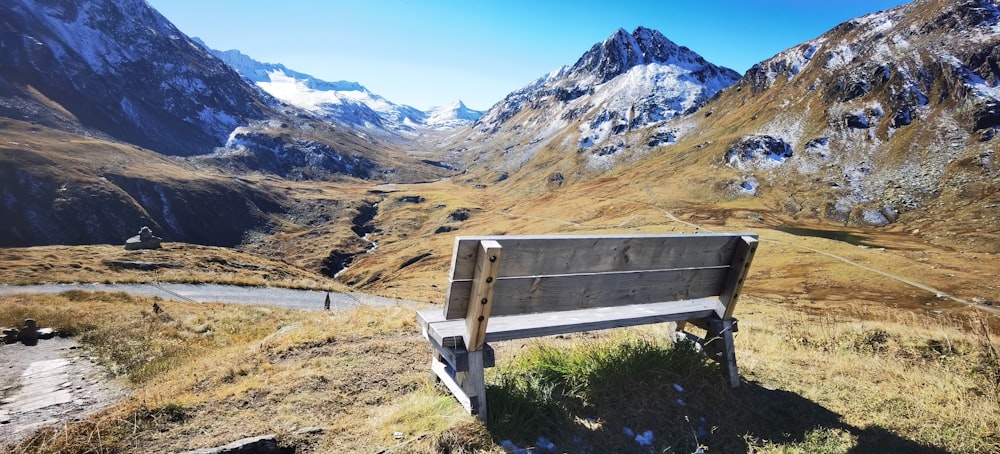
[263,444]
[144,240]
[291,158]
[29,334]
[761,151]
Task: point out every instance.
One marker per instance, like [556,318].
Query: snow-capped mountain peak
[452,115]
[98,60]
[628,81]
[343,101]
[623,51]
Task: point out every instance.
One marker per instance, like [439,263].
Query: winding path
[204,293]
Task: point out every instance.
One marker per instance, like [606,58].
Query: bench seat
[449,333]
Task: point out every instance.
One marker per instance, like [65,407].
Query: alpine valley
[866,159]
[114,119]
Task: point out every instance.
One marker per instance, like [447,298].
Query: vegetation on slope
[354,381]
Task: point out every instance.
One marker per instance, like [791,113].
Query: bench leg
[473,384]
[721,346]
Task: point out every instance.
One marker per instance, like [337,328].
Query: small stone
[29,334]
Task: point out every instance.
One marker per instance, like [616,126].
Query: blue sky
[427,53]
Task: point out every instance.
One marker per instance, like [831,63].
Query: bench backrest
[557,273]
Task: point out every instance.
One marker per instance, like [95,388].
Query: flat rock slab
[47,384]
[41,386]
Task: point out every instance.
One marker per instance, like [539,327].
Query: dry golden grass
[207,374]
[884,373]
[178,262]
[814,272]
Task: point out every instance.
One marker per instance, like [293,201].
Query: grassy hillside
[884,345]
[853,339]
[357,381]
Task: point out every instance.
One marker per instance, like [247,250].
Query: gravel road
[205,293]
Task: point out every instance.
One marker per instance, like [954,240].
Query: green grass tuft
[591,394]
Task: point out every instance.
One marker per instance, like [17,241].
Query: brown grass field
[886,346]
[883,341]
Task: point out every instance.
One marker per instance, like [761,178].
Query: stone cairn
[29,334]
[144,240]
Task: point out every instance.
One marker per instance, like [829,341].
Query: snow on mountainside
[122,69]
[885,114]
[626,82]
[451,116]
[348,102]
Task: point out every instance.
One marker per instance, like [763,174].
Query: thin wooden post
[473,384]
[477,318]
[481,298]
[720,346]
[738,270]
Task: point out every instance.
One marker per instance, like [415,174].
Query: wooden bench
[513,287]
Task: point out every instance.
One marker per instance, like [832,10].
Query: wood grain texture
[580,271]
[450,332]
[556,254]
[477,314]
[738,271]
[536,294]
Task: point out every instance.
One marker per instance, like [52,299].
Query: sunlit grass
[814,383]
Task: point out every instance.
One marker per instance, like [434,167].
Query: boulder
[144,240]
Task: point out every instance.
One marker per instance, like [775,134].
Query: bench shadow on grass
[683,408]
[785,417]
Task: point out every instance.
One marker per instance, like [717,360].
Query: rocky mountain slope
[158,119]
[122,69]
[886,120]
[890,115]
[629,81]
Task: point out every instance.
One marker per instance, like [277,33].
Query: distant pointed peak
[624,50]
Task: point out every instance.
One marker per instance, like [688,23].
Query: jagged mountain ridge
[626,82]
[135,95]
[122,69]
[886,113]
[347,102]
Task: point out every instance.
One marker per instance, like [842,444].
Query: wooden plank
[549,255]
[428,316]
[473,383]
[742,256]
[457,357]
[449,332]
[447,376]
[569,292]
[477,315]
